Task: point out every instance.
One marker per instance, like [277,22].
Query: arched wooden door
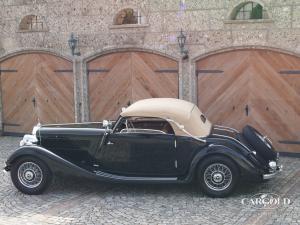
[256,87]
[36,87]
[119,79]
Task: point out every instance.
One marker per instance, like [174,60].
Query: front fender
[53,161]
[246,167]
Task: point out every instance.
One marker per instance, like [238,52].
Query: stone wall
[206,23]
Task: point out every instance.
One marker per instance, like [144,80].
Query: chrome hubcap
[217,176]
[30,174]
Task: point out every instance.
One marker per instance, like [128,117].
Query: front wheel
[30,175]
[217,176]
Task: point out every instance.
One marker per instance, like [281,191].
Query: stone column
[193,83]
[185,75]
[85,115]
[77,65]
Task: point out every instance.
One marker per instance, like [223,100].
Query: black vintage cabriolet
[153,141]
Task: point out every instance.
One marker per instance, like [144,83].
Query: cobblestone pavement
[74,201]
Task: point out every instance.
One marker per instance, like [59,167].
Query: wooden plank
[127,77]
[17,90]
[111,91]
[54,94]
[146,83]
[251,78]
[36,79]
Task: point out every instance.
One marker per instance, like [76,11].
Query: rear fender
[245,165]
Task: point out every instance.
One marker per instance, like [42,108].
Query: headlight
[28,140]
[35,129]
[273,165]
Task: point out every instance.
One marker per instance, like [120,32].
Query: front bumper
[6,168]
[268,176]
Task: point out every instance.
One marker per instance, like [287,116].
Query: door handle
[110,143]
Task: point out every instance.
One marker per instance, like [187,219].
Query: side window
[144,125]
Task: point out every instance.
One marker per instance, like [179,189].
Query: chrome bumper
[268,176]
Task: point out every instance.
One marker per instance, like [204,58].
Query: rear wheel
[30,175]
[217,176]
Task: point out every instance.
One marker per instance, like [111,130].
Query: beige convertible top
[181,112]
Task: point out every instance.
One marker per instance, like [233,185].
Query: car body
[158,140]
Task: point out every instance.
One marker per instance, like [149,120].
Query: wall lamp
[73,42]
[181,42]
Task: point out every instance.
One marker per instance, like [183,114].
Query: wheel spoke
[30,174]
[217,176]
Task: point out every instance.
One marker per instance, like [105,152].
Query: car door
[138,154]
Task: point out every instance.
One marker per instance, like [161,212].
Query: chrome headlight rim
[28,140]
[272,165]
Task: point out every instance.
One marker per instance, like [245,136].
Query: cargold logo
[265,201]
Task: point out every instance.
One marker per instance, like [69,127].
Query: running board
[137,179]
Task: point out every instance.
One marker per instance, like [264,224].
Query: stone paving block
[75,201]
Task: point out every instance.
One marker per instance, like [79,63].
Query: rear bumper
[268,176]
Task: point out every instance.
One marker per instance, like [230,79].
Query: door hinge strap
[63,71]
[289,72]
[11,124]
[209,71]
[7,71]
[289,142]
[98,71]
[166,71]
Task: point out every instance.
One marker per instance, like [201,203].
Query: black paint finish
[108,155]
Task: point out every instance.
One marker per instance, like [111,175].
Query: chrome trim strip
[119,177]
[219,135]
[229,128]
[138,130]
[62,124]
[224,129]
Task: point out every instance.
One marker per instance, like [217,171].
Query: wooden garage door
[256,87]
[119,79]
[34,88]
